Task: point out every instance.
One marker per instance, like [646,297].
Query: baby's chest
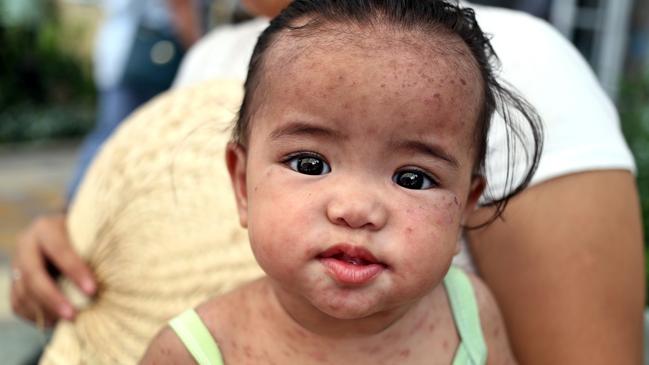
[258,348]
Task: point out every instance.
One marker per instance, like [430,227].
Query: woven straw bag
[156,220]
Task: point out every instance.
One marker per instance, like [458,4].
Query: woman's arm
[566,267]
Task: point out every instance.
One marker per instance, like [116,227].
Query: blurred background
[48,102]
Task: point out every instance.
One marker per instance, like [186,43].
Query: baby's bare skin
[424,331]
[250,327]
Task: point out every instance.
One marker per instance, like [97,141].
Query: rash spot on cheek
[449,204]
[372,130]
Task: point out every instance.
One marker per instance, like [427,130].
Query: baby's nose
[357,210]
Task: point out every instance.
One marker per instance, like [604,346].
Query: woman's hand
[42,248]
[566,266]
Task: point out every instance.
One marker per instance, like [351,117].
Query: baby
[357,157]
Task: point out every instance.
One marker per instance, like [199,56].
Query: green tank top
[472,350]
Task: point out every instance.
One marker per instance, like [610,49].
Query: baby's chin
[352,306]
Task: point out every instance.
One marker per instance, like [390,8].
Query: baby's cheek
[430,228]
[275,236]
[442,211]
[447,210]
[272,251]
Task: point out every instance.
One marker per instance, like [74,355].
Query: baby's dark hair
[434,18]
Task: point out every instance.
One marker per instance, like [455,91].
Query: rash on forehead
[300,56]
[434,43]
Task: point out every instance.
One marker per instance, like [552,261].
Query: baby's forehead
[423,50]
[442,58]
[408,78]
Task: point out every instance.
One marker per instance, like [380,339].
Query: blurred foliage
[26,122]
[45,90]
[633,104]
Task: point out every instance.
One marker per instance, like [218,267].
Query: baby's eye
[414,179]
[308,164]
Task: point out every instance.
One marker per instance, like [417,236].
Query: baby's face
[358,172]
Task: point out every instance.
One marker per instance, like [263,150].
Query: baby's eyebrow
[428,149]
[300,128]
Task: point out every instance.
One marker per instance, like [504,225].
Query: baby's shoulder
[484,298]
[492,323]
[166,348]
[222,317]
[230,310]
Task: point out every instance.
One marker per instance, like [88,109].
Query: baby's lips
[350,253]
[349,274]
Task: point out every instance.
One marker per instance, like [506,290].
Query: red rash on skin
[404,353]
[417,327]
[371,350]
[319,356]
[247,351]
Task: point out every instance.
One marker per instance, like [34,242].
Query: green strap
[472,349]
[197,338]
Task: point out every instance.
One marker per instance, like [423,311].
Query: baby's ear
[478,184]
[235,159]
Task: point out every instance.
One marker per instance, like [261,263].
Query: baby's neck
[297,311]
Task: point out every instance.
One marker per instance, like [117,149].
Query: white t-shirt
[581,124]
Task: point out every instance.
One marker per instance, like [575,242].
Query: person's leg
[114,105]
